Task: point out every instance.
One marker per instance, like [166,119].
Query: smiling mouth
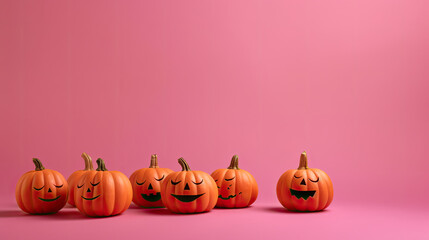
[229,197]
[90,198]
[49,200]
[187,198]
[152,197]
[302,194]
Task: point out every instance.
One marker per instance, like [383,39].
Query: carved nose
[187,187]
[89,190]
[49,190]
[150,186]
[303,182]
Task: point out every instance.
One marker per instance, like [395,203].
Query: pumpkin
[74,177]
[41,191]
[189,191]
[305,189]
[237,187]
[103,193]
[146,183]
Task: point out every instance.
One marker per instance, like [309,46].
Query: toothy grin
[229,197]
[302,194]
[152,197]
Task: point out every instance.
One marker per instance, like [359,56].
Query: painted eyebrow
[38,189]
[160,178]
[80,185]
[175,183]
[296,176]
[198,183]
[94,184]
[59,186]
[229,179]
[314,180]
[140,183]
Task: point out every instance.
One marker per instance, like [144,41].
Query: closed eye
[59,186]
[160,178]
[140,183]
[229,179]
[38,189]
[95,184]
[314,181]
[80,185]
[175,183]
[198,183]
[296,176]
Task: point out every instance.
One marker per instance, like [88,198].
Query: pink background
[347,81]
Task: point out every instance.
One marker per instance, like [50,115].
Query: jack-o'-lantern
[42,191]
[103,193]
[189,191]
[305,189]
[237,187]
[74,177]
[146,183]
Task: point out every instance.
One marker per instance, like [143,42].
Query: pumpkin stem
[154,161]
[101,165]
[303,164]
[234,163]
[184,164]
[88,162]
[38,163]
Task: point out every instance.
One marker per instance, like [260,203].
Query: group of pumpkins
[101,192]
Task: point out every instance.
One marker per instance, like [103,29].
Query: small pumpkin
[237,187]
[305,189]
[74,177]
[189,191]
[146,183]
[103,193]
[42,191]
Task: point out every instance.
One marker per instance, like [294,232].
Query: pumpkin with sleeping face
[305,189]
[41,191]
[189,191]
[146,183]
[103,193]
[237,187]
[74,177]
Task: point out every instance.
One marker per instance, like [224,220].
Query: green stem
[38,163]
[101,165]
[234,163]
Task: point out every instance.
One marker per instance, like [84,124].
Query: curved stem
[101,165]
[154,161]
[303,164]
[88,162]
[184,164]
[234,163]
[38,163]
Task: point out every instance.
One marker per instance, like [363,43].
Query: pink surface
[347,81]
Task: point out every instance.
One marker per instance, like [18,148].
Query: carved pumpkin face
[103,193]
[237,187]
[189,191]
[305,189]
[41,191]
[74,177]
[146,183]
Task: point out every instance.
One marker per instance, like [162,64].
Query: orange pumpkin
[103,193]
[305,189]
[146,183]
[41,191]
[237,187]
[189,191]
[74,177]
